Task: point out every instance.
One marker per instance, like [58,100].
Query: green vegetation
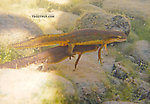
[148,72]
[132,37]
[17,5]
[53,94]
[130,67]
[56,6]
[98,3]
[8,55]
[42,3]
[142,28]
[123,92]
[125,62]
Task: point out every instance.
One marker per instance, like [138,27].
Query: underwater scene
[75,52]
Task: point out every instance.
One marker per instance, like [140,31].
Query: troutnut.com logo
[43,16]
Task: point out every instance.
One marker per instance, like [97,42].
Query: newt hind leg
[70,50]
[77,61]
[99,53]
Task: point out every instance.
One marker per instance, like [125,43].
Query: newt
[49,56]
[78,37]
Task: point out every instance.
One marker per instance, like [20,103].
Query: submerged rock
[102,20]
[98,3]
[46,23]
[109,61]
[82,8]
[142,91]
[63,21]
[139,54]
[118,102]
[60,2]
[119,71]
[131,8]
[93,20]
[142,50]
[119,23]
[27,86]
[15,28]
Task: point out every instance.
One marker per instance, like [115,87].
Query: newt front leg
[106,49]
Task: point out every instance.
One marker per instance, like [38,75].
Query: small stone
[119,71]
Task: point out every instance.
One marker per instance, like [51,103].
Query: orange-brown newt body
[79,37]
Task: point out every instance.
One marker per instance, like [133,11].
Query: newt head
[116,36]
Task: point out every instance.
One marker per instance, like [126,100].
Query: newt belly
[79,37]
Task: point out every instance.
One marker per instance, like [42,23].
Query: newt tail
[50,56]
